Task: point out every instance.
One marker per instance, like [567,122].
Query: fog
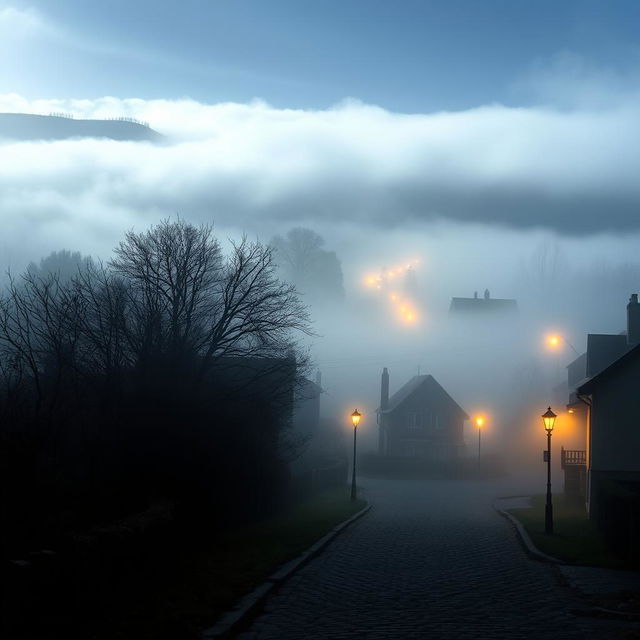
[500,367]
[534,204]
[222,221]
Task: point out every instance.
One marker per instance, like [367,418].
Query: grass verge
[575,539]
[191,587]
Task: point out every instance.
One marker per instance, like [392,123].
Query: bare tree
[155,373]
[298,250]
[64,264]
[187,300]
[546,270]
[304,261]
[40,332]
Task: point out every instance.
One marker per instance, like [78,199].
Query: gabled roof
[621,362]
[398,398]
[602,350]
[482,305]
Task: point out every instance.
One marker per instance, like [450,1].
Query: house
[605,383]
[420,420]
[483,306]
[602,350]
[613,419]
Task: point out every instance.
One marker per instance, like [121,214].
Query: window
[414,421]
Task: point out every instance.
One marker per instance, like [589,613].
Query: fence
[572,457]
[71,116]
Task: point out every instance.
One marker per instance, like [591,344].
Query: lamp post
[549,419]
[554,341]
[479,424]
[355,419]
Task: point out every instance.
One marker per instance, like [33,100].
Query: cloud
[568,80]
[259,168]
[17,24]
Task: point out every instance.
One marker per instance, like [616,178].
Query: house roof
[602,350]
[577,371]
[604,374]
[483,305]
[398,398]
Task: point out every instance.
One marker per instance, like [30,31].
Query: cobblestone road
[431,559]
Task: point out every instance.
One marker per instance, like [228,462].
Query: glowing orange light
[554,341]
[572,410]
[480,422]
[404,309]
[549,419]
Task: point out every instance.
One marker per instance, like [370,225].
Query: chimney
[633,320]
[384,390]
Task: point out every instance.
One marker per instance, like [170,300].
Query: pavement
[431,559]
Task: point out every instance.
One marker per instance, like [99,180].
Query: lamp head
[554,341]
[549,419]
[355,418]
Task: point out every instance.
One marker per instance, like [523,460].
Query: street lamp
[554,341]
[355,419]
[479,424]
[549,419]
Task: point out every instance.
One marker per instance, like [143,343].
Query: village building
[602,350]
[420,420]
[483,306]
[604,401]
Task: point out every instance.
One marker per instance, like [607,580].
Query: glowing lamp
[553,341]
[479,422]
[549,419]
[355,419]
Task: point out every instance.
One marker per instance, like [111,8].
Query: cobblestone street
[432,559]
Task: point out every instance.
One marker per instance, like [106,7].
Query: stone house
[420,420]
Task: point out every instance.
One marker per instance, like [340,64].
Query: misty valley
[319,320]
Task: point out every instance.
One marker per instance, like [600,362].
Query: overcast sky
[517,117]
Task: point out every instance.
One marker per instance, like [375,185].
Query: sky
[505,114]
[470,134]
[414,56]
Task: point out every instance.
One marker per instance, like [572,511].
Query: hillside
[24,126]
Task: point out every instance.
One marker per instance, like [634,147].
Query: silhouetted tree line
[302,259]
[165,373]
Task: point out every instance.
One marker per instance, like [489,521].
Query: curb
[529,547]
[249,604]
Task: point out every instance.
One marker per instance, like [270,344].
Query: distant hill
[25,126]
